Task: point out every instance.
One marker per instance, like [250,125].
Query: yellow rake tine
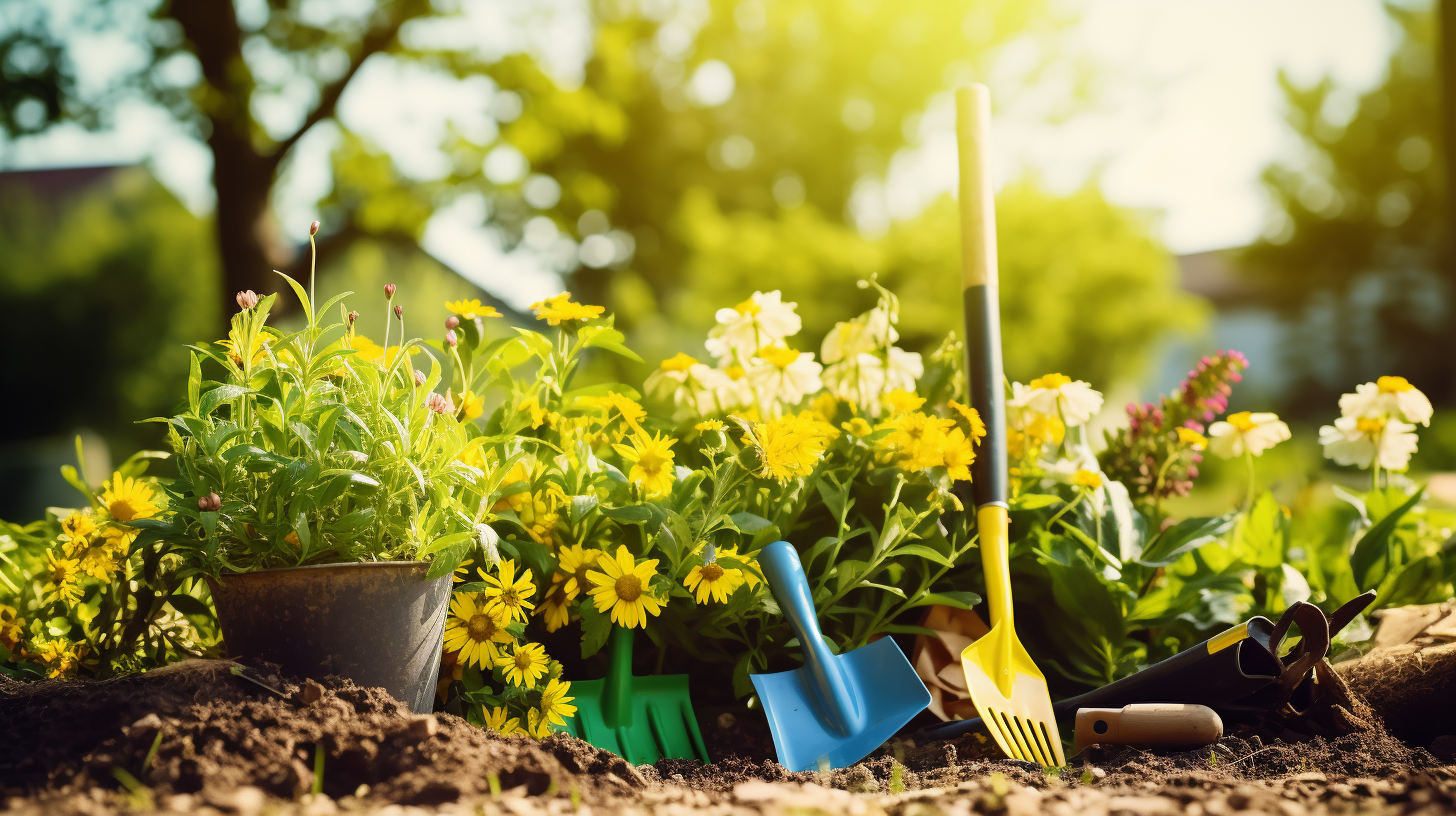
[1037,749]
[1026,754]
[1056,745]
[993,725]
[1038,732]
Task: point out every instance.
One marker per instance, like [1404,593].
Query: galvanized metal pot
[379,624]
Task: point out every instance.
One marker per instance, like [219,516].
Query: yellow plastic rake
[1008,689]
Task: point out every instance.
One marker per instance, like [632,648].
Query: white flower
[688,383]
[1075,470]
[1255,433]
[1074,401]
[784,375]
[1388,397]
[1361,440]
[902,369]
[762,320]
[859,379]
[733,390]
[866,333]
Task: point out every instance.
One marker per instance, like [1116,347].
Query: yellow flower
[473,630]
[572,567]
[708,425]
[554,310]
[712,580]
[973,419]
[918,438]
[556,609]
[524,667]
[1245,431]
[631,412]
[60,656]
[127,499]
[858,427]
[621,587]
[471,309]
[899,401]
[1087,478]
[471,405]
[76,530]
[790,446]
[507,595]
[500,721]
[750,571]
[234,341]
[681,362]
[555,704]
[651,458]
[12,628]
[65,577]
[537,724]
[958,455]
[824,406]
[367,349]
[102,560]
[518,473]
[539,514]
[538,414]
[1192,438]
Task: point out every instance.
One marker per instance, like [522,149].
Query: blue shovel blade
[883,681]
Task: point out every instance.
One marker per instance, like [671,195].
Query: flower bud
[451,322]
[247,299]
[389,291]
[451,339]
[211,503]
[313,228]
[419,377]
[399,312]
[352,317]
[437,403]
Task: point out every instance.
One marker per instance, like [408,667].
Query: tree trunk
[247,237]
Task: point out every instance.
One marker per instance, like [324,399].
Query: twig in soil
[1253,754]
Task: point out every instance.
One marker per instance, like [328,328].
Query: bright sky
[1189,115]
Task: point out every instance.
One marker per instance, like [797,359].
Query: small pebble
[312,692]
[423,727]
[727,720]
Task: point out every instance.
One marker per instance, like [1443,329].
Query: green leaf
[1183,537]
[1035,501]
[750,524]
[922,551]
[596,626]
[606,337]
[188,605]
[217,396]
[302,295]
[448,540]
[194,382]
[601,390]
[630,514]
[1375,546]
[953,598]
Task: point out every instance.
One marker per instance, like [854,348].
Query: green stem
[1249,498]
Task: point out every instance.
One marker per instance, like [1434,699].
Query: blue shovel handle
[839,706]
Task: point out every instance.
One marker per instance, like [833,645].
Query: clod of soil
[220,734]
[1412,688]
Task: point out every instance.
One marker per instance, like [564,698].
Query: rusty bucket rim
[325,567]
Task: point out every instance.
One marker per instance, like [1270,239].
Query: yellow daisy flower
[899,401]
[790,446]
[957,453]
[76,530]
[525,666]
[651,458]
[60,656]
[65,577]
[537,724]
[125,500]
[708,425]
[12,628]
[556,609]
[712,580]
[373,352]
[500,721]
[474,631]
[621,588]
[572,567]
[555,704]
[750,574]
[1087,478]
[471,405]
[101,562]
[471,309]
[556,309]
[1192,438]
[506,594]
[973,419]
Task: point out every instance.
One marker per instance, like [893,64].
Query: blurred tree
[102,283]
[1357,255]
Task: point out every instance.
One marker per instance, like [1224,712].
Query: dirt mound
[1411,687]
[219,733]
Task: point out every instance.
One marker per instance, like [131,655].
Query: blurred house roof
[1217,276]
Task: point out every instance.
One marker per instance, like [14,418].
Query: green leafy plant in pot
[314,469]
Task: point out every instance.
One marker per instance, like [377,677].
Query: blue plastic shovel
[838,708]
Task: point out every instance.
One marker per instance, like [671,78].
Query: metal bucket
[380,624]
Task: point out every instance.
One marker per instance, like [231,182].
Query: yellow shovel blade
[1018,709]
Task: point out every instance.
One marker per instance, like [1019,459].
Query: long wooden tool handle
[1148,725]
[979,285]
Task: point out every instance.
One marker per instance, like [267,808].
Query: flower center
[748,307]
[1051,382]
[629,588]
[651,463]
[481,627]
[1393,385]
[121,510]
[510,597]
[523,660]
[1370,426]
[1243,420]
[734,372]
[779,357]
[682,362]
[712,572]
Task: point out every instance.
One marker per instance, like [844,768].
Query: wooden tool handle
[978,198]
[1148,725]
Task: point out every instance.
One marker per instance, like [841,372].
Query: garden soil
[196,738]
